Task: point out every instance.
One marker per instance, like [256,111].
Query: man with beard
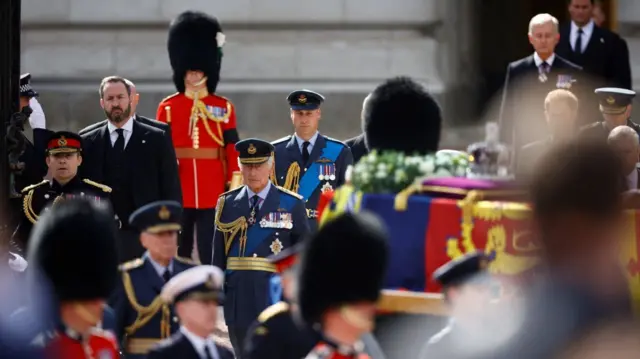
[131,157]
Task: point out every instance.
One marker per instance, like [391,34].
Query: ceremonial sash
[275,289]
[257,234]
[310,180]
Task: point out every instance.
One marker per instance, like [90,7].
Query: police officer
[275,334]
[64,156]
[465,286]
[142,318]
[252,222]
[196,292]
[615,106]
[309,163]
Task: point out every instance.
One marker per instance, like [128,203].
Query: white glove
[37,119]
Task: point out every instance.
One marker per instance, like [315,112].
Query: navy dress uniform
[38,197]
[247,230]
[323,170]
[613,101]
[142,318]
[201,283]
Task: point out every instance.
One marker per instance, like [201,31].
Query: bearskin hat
[401,115]
[344,262]
[73,246]
[193,45]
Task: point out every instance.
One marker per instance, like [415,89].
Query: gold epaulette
[103,187]
[132,264]
[289,192]
[228,192]
[280,140]
[29,188]
[170,96]
[272,311]
[187,260]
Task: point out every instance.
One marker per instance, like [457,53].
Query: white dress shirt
[263,194]
[160,269]
[538,60]
[312,142]
[128,130]
[587,31]
[632,179]
[200,343]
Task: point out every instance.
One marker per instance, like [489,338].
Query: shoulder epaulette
[29,188]
[103,187]
[132,264]
[272,311]
[591,125]
[187,260]
[170,96]
[229,192]
[280,140]
[334,140]
[289,192]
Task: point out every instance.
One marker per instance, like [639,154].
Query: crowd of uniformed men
[110,224]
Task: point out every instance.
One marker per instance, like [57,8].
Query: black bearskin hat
[401,115]
[344,262]
[193,45]
[73,246]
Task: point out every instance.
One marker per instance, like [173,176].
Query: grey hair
[623,132]
[542,19]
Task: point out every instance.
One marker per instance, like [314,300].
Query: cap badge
[252,149]
[62,141]
[611,100]
[164,213]
[210,283]
[302,99]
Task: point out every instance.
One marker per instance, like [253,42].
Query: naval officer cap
[614,100]
[64,142]
[305,100]
[469,267]
[157,217]
[25,86]
[254,151]
[197,283]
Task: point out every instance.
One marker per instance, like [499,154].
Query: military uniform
[142,318]
[250,227]
[203,127]
[325,168]
[613,101]
[40,196]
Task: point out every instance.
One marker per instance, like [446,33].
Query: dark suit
[248,276]
[358,147]
[179,346]
[530,154]
[145,287]
[287,152]
[146,172]
[605,60]
[522,118]
[147,121]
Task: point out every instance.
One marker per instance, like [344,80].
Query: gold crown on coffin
[611,100]
[62,141]
[252,149]
[302,99]
[164,213]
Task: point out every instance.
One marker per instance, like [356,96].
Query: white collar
[199,343]
[263,193]
[587,29]
[312,140]
[538,60]
[127,127]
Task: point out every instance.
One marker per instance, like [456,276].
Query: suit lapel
[185,347]
[596,35]
[316,151]
[241,202]
[294,151]
[154,279]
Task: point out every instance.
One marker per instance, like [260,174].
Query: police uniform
[142,318]
[275,334]
[249,228]
[470,267]
[39,197]
[75,252]
[203,126]
[203,283]
[325,168]
[613,101]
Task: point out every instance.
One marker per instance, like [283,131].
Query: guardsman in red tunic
[342,270]
[203,125]
[74,254]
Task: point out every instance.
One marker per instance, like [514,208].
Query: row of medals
[272,220]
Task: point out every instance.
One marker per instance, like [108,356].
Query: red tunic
[206,150]
[99,345]
[325,351]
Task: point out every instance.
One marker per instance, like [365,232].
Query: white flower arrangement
[391,171]
[220,39]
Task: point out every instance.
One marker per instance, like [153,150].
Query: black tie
[578,48]
[545,67]
[119,145]
[166,275]
[207,353]
[305,151]
[255,201]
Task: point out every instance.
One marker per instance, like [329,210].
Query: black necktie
[166,275]
[119,145]
[207,353]
[255,201]
[545,67]
[578,48]
[305,151]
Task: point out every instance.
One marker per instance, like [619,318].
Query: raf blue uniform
[142,318]
[327,162]
[246,234]
[613,101]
